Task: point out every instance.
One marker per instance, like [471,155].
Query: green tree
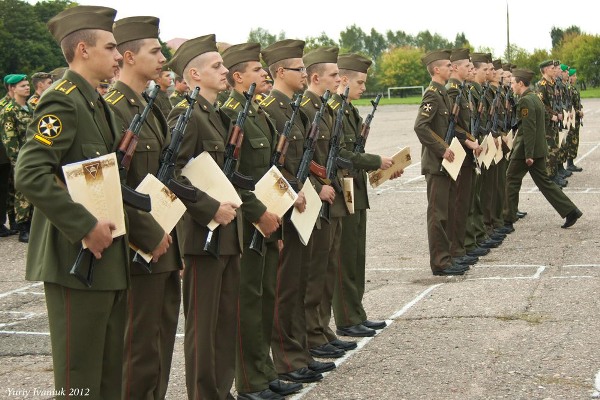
[460,41]
[583,53]
[401,67]
[399,39]
[318,41]
[428,42]
[352,39]
[557,34]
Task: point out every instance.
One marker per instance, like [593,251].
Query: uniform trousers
[152,313]
[86,333]
[210,299]
[439,205]
[462,205]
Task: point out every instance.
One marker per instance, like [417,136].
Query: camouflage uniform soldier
[14,119]
[573,135]
[7,191]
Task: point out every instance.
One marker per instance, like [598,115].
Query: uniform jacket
[545,89]
[463,123]
[144,231]
[431,126]
[205,131]
[14,120]
[71,123]
[163,103]
[530,141]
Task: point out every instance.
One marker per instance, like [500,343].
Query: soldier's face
[43,85]
[330,79]
[22,89]
[357,83]
[104,57]
[213,74]
[255,73]
[149,60]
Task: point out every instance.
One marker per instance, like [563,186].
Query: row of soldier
[487,102]
[260,318]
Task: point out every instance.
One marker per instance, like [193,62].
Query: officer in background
[73,123]
[40,82]
[14,119]
[529,154]
[154,298]
[181,89]
[103,87]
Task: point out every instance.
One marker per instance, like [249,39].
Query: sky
[482,21]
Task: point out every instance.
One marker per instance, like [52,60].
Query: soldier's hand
[100,237]
[448,155]
[397,174]
[225,214]
[327,194]
[529,162]
[268,223]
[478,151]
[386,162]
[300,202]
[554,118]
[560,117]
[162,247]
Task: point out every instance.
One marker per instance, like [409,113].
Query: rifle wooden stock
[318,170]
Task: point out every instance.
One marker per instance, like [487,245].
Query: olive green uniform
[163,103]
[431,125]
[530,142]
[254,367]
[72,123]
[176,98]
[154,299]
[350,283]
[288,341]
[210,285]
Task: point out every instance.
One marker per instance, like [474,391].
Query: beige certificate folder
[205,174]
[453,168]
[167,209]
[304,222]
[509,139]
[275,192]
[349,194]
[401,159]
[95,184]
[499,153]
[489,151]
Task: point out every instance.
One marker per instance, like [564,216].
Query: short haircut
[39,77]
[279,64]
[434,64]
[318,69]
[350,73]
[525,81]
[197,62]
[69,43]
[133,46]
[240,67]
[179,79]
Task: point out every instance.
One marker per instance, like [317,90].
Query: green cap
[523,73]
[283,50]
[564,67]
[240,53]
[506,66]
[572,71]
[135,28]
[354,62]
[81,17]
[435,55]
[13,79]
[459,54]
[497,64]
[191,49]
[479,57]
[321,55]
[546,63]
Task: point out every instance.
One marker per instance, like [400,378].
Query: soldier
[153,299]
[463,195]
[546,89]
[529,154]
[431,125]
[103,87]
[291,358]
[7,190]
[40,82]
[57,73]
[181,89]
[73,123]
[210,284]
[563,98]
[573,135]
[14,119]
[165,80]
[350,283]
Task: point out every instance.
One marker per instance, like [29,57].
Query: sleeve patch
[49,127]
[524,112]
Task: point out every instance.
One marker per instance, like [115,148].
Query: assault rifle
[450,132]
[232,152]
[359,146]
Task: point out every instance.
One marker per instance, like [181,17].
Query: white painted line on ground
[581,265]
[362,342]
[24,333]
[418,178]
[572,277]
[587,154]
[596,394]
[6,294]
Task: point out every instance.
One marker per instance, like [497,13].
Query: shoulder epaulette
[65,87]
[266,102]
[432,88]
[113,97]
[183,103]
[231,103]
[453,85]
[34,100]
[333,104]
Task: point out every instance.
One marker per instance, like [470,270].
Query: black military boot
[563,172]
[572,167]
[24,232]
[14,227]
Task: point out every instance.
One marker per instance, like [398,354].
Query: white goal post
[405,87]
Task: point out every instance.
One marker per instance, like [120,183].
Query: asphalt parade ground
[523,323]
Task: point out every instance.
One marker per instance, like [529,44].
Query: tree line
[27,47]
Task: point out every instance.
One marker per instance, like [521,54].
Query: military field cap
[13,79]
[564,67]
[513,66]
[321,55]
[191,49]
[478,57]
[506,66]
[104,83]
[240,53]
[572,71]
[58,73]
[459,54]
[41,75]
[497,64]
[489,57]
[435,55]
[546,63]
[283,50]
[354,62]
[81,17]
[135,28]
[523,73]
